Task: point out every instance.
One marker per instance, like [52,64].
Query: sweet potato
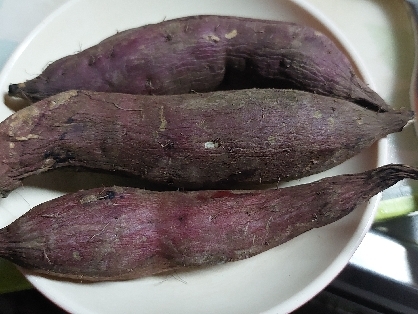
[124,233]
[206,53]
[192,141]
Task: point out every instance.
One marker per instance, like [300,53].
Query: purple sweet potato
[191,141]
[124,233]
[206,53]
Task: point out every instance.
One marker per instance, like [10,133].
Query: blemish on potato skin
[163,121]
[24,119]
[211,145]
[62,98]
[317,115]
[48,163]
[88,199]
[26,138]
[59,156]
[231,34]
[168,37]
[76,255]
[213,38]
[318,33]
[272,139]
[91,60]
[106,194]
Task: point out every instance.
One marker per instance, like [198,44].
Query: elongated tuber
[192,141]
[206,53]
[124,233]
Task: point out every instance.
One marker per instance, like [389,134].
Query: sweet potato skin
[192,141]
[206,53]
[124,233]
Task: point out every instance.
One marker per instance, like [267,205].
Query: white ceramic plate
[276,281]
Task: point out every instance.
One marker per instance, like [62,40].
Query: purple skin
[125,233]
[192,141]
[206,53]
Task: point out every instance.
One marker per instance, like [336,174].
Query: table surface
[382,38]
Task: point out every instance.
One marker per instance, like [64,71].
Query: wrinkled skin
[191,141]
[206,53]
[124,233]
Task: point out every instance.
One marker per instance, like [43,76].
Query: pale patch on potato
[48,163]
[231,34]
[272,139]
[62,98]
[22,120]
[318,33]
[163,124]
[89,199]
[76,255]
[27,137]
[317,115]
[331,121]
[213,38]
[211,145]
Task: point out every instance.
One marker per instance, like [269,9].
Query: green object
[11,279]
[396,207]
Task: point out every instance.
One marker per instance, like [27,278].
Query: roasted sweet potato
[124,233]
[206,53]
[192,141]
